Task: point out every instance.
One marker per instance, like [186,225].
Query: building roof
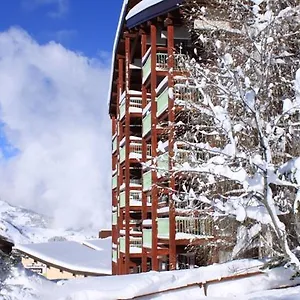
[115,45]
[149,9]
[90,256]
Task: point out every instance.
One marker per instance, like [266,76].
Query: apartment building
[150,230]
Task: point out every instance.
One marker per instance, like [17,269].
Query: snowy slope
[23,226]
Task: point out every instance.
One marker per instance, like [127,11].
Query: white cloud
[53,105]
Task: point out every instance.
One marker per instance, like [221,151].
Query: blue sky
[87,26]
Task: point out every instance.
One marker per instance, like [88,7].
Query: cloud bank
[53,110]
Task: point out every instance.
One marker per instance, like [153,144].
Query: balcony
[183,92]
[135,198]
[135,244]
[162,63]
[147,181]
[135,103]
[135,149]
[186,226]
[135,183]
[147,238]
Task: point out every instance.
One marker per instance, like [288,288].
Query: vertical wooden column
[127,151]
[153,79]
[171,117]
[119,171]
[144,151]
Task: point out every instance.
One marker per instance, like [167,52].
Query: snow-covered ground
[28,286]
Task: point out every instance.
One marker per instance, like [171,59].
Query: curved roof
[149,9]
[117,36]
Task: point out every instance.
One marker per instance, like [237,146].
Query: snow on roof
[117,36]
[143,5]
[92,256]
[98,244]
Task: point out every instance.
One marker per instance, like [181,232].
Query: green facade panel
[163,227]
[162,102]
[114,181]
[122,154]
[146,124]
[147,238]
[122,199]
[122,110]
[147,68]
[147,181]
[114,255]
[122,244]
[114,218]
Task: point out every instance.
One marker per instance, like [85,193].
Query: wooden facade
[148,229]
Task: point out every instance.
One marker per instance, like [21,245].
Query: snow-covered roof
[115,45]
[149,9]
[91,256]
[143,5]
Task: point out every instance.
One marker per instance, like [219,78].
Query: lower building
[67,259]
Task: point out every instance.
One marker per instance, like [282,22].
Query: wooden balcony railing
[202,226]
[135,151]
[162,63]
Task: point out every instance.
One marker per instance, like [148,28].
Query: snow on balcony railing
[202,226]
[133,183]
[135,242]
[183,93]
[135,150]
[162,62]
[204,24]
[135,198]
[135,103]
